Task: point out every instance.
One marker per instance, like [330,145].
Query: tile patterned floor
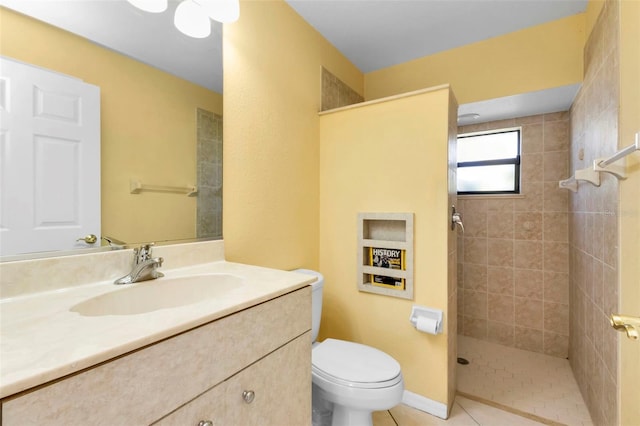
[527,381]
[465,412]
[503,386]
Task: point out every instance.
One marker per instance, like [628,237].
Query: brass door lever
[627,324]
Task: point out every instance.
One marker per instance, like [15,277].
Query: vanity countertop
[42,340]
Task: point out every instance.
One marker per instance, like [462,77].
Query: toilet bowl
[349,380]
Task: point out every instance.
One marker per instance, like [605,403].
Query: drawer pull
[205,423]
[248,396]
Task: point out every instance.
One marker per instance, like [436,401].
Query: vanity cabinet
[268,392]
[197,375]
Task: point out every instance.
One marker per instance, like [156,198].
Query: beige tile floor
[465,412]
[503,386]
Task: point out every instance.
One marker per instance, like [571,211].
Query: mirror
[161,109]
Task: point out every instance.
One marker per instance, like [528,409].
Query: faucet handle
[145,250]
[142,253]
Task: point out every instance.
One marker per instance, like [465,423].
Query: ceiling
[376,34]
[148,37]
[373,34]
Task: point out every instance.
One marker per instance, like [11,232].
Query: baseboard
[427,405]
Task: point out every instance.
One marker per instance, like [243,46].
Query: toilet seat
[354,365]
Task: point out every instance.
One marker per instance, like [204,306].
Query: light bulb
[224,11]
[192,20]
[153,6]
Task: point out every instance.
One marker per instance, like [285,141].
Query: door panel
[49,160]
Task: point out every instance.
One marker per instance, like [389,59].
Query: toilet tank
[316,300]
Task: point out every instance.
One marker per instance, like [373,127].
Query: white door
[49,160]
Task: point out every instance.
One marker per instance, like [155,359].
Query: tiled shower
[593,224]
[513,281]
[539,272]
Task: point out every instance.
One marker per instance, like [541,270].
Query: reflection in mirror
[160,120]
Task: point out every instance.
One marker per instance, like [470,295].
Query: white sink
[161,293]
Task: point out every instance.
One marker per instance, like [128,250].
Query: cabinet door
[275,390]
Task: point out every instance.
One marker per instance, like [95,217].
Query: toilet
[349,380]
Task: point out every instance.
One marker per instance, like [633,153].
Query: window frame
[516,161]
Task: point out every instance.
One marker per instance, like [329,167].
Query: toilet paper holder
[423,311]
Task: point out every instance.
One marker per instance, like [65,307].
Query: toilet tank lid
[319,282]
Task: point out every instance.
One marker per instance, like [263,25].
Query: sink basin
[158,294]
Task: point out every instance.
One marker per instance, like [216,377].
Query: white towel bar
[622,153]
[606,165]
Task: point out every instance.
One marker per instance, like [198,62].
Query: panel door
[49,160]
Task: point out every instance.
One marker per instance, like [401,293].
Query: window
[489,162]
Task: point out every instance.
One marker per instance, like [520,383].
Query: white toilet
[350,380]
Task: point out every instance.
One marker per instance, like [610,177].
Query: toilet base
[343,416]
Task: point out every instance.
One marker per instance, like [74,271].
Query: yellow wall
[272,76]
[148,126]
[388,157]
[629,124]
[536,58]
[594,7]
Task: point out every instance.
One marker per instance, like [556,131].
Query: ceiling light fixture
[153,6]
[225,11]
[192,20]
[192,16]
[470,117]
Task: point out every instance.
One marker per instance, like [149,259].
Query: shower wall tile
[501,308]
[556,133]
[529,284]
[499,252]
[555,199]
[515,256]
[533,197]
[555,344]
[528,339]
[528,254]
[532,167]
[335,93]
[474,327]
[209,178]
[556,226]
[499,332]
[555,287]
[532,138]
[593,226]
[529,313]
[475,250]
[500,280]
[500,223]
[476,277]
[528,226]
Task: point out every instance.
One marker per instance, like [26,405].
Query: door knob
[89,239]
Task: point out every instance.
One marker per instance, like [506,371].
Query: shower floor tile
[520,380]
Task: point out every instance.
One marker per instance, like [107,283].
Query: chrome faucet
[144,266]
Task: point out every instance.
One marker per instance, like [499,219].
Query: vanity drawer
[280,386]
[145,385]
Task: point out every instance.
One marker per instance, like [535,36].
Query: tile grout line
[393,418]
[511,410]
[468,413]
